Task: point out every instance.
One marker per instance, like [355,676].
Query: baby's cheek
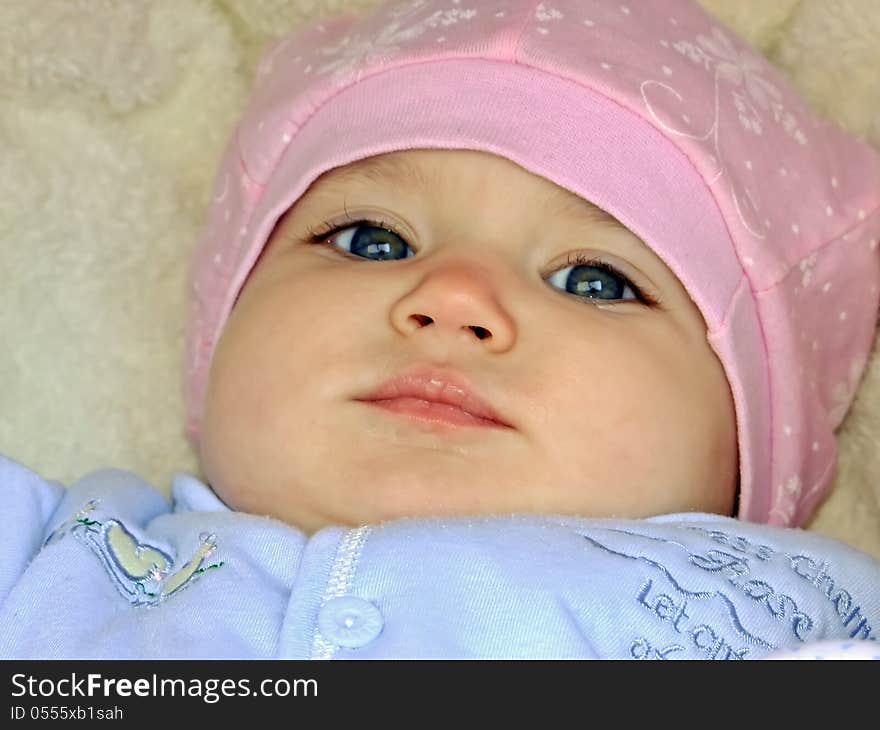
[705,467]
[692,440]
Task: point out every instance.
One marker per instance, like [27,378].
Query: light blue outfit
[108,568]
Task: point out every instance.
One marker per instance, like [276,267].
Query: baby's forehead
[427,170]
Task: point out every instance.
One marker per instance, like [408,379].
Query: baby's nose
[456,300]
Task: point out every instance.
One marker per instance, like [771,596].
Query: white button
[349,621]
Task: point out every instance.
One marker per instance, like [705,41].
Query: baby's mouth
[440,413]
[435,394]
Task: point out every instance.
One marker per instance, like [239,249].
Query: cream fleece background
[113,116]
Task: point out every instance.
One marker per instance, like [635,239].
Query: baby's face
[612,406]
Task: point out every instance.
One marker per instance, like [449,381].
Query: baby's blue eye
[373,242]
[594,280]
[587,278]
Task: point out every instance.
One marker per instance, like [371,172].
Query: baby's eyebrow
[401,173]
[396,172]
[569,204]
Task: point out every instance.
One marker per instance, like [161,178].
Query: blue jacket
[108,568]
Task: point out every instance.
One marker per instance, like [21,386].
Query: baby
[516,331]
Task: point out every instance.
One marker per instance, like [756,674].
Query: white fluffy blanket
[113,115]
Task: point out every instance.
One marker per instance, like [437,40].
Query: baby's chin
[315,517]
[313,491]
[310,517]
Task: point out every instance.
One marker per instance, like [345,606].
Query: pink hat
[767,214]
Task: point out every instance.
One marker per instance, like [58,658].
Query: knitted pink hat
[654,112]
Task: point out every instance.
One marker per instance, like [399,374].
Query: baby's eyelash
[326,230]
[329,229]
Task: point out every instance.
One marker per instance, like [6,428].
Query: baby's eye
[595,279]
[366,239]
[591,279]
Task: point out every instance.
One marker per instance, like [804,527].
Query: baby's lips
[438,385]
